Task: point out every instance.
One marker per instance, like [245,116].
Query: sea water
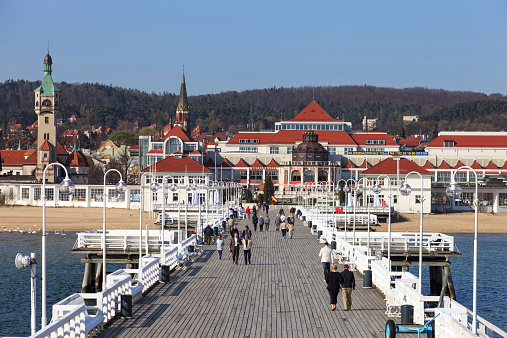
[65,275]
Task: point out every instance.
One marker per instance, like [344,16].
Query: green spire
[183,102]
[19,145]
[75,147]
[47,88]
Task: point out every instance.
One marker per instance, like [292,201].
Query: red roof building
[173,164]
[389,166]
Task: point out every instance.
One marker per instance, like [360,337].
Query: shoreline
[76,219]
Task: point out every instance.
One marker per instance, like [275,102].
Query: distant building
[410,118]
[371,124]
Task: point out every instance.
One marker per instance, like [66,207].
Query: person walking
[247,232]
[283,227]
[247,212]
[267,209]
[277,222]
[234,230]
[292,212]
[290,228]
[255,219]
[234,248]
[230,223]
[208,232]
[247,249]
[261,223]
[326,258]
[266,222]
[220,246]
[333,280]
[348,284]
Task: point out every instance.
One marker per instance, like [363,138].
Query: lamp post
[153,188]
[367,189]
[121,187]
[405,190]
[345,191]
[173,187]
[377,189]
[357,190]
[66,188]
[454,191]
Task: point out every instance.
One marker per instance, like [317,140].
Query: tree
[248,196]
[96,173]
[121,137]
[148,132]
[269,189]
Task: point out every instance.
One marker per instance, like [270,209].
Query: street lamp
[405,190]
[346,190]
[153,188]
[454,191]
[367,188]
[377,189]
[173,187]
[357,191]
[121,187]
[66,188]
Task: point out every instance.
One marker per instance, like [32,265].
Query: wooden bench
[94,323]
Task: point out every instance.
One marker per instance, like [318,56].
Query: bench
[94,324]
[180,259]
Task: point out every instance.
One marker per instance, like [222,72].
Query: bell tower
[182,110]
[47,106]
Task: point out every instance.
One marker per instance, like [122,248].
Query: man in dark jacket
[246,232]
[208,232]
[234,248]
[255,219]
[349,284]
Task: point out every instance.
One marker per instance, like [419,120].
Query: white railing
[171,252]
[122,239]
[71,324]
[150,272]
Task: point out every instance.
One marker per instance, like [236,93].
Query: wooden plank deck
[281,294]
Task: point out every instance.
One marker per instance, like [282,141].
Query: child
[220,246]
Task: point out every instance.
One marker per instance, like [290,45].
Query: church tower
[47,106]
[182,111]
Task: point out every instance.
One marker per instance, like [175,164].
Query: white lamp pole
[66,188]
[153,188]
[173,188]
[121,187]
[367,189]
[454,191]
[354,200]
[377,189]
[405,190]
[345,191]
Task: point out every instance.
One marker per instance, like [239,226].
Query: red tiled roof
[178,132]
[389,166]
[272,164]
[60,150]
[444,165]
[241,164]
[257,164]
[472,141]
[349,164]
[226,163]
[313,113]
[504,166]
[13,157]
[32,157]
[458,164]
[491,166]
[428,165]
[365,164]
[196,152]
[262,137]
[361,138]
[134,147]
[172,164]
[475,165]
[77,158]
[46,146]
[153,151]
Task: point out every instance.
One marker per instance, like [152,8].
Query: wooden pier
[281,294]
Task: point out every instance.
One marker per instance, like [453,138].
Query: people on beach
[247,246]
[266,222]
[234,248]
[261,223]
[348,284]
[326,258]
[290,228]
[208,232]
[255,219]
[220,246]
[333,280]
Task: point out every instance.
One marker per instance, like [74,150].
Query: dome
[48,59]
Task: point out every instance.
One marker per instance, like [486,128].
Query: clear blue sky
[240,45]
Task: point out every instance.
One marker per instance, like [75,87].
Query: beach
[66,219]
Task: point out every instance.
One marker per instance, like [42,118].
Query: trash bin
[191,248]
[407,314]
[215,231]
[333,245]
[314,226]
[319,234]
[309,224]
[165,272]
[304,218]
[126,306]
[367,282]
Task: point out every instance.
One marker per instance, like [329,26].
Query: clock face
[46,103]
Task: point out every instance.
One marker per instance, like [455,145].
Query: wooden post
[98,277]
[450,285]
[435,280]
[88,278]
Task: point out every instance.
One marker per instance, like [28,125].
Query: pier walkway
[281,294]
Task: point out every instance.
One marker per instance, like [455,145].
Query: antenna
[48,46]
[313,98]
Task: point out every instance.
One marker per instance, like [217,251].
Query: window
[448,143]
[295,176]
[46,120]
[79,195]
[309,176]
[332,150]
[273,150]
[395,199]
[289,150]
[273,175]
[444,177]
[417,199]
[502,199]
[375,142]
[158,146]
[461,177]
[115,196]
[25,193]
[248,141]
[96,194]
[50,194]
[36,194]
[322,176]
[243,174]
[154,196]
[347,150]
[256,174]
[175,197]
[249,149]
[174,145]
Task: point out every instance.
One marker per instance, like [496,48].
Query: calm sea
[65,273]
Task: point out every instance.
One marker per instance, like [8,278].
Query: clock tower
[47,106]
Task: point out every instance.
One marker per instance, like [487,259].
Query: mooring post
[435,280]
[98,277]
[88,278]
[450,284]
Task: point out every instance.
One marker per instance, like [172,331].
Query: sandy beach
[83,219]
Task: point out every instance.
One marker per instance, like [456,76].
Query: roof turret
[183,102]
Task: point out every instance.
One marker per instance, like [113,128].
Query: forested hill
[97,104]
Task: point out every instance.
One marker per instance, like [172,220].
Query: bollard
[191,248]
[319,234]
[333,245]
[165,273]
[367,280]
[314,226]
[126,306]
[215,231]
[310,224]
[407,314]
